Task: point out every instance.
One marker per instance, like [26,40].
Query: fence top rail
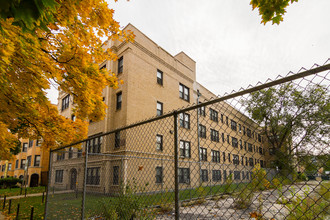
[216,100]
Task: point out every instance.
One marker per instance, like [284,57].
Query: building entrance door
[73,179]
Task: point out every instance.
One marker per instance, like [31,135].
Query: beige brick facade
[36,173]
[140,93]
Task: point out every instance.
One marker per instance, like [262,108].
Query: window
[213,115]
[183,92]
[16,164]
[233,125]
[260,150]
[223,137]
[159,77]
[58,176]
[115,179]
[248,132]
[159,108]
[60,156]
[70,152]
[94,145]
[203,154]
[38,142]
[245,145]
[117,140]
[120,65]
[29,161]
[221,118]
[30,143]
[237,175]
[65,102]
[3,167]
[234,142]
[9,166]
[214,135]
[261,163]
[36,160]
[185,120]
[202,131]
[204,175]
[259,137]
[224,156]
[225,174]
[159,142]
[235,159]
[244,130]
[242,161]
[216,175]
[229,158]
[93,176]
[24,148]
[184,175]
[241,144]
[246,161]
[159,174]
[251,162]
[227,120]
[228,139]
[201,110]
[240,128]
[79,153]
[215,156]
[184,148]
[119,100]
[250,147]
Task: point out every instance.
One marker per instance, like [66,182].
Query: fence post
[49,180]
[176,164]
[9,206]
[84,184]
[31,215]
[4,202]
[17,211]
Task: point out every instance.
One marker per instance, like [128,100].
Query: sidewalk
[36,194]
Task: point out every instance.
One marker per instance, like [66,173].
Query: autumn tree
[271,10]
[293,119]
[58,42]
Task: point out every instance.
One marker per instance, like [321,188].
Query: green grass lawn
[25,207]
[68,206]
[17,191]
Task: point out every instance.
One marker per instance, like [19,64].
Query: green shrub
[243,199]
[127,206]
[259,181]
[302,177]
[9,182]
[228,187]
[306,207]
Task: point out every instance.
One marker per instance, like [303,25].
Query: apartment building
[30,165]
[214,142]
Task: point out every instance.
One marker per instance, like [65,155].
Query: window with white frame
[213,115]
[184,175]
[183,92]
[215,156]
[214,135]
[159,142]
[159,77]
[184,148]
[159,174]
[184,120]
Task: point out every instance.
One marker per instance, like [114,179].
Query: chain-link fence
[258,153]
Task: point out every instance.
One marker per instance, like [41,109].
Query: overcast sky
[225,38]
